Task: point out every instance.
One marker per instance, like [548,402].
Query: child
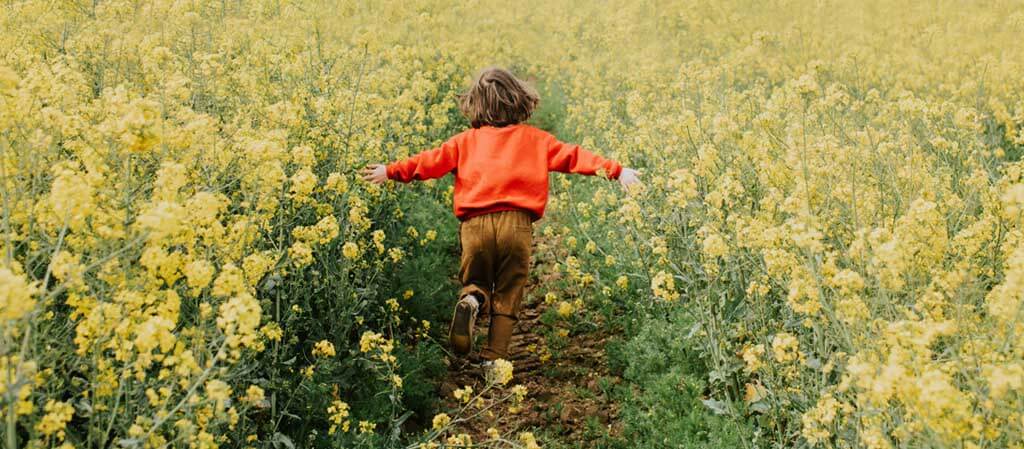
[501,170]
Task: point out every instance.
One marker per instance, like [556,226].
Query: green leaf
[716,406]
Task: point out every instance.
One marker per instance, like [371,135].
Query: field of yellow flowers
[828,250]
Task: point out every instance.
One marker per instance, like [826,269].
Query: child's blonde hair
[498,98]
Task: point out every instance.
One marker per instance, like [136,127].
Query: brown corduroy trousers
[495,266]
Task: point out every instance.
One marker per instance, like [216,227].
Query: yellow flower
[713,245]
[8,79]
[785,347]
[254,394]
[378,240]
[71,197]
[68,268]
[217,390]
[461,440]
[239,319]
[366,426]
[303,155]
[369,341]
[300,254]
[162,220]
[441,420]
[338,416]
[519,392]
[321,233]
[392,304]
[230,281]
[199,274]
[16,295]
[323,348]
[257,265]
[396,254]
[138,125]
[564,309]
[550,297]
[1004,378]
[205,310]
[272,331]
[818,420]
[56,418]
[303,183]
[501,372]
[350,251]
[336,183]
[464,394]
[528,440]
[664,286]
[622,282]
[751,355]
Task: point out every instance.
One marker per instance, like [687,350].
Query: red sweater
[499,169]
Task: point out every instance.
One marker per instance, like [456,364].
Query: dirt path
[568,399]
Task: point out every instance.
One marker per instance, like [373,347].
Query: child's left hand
[629,177]
[375,173]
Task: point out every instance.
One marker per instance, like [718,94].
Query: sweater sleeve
[571,158]
[427,165]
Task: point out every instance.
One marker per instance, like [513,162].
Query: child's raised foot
[460,334]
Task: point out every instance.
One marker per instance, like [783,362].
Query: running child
[501,168]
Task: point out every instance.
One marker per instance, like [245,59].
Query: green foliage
[662,404]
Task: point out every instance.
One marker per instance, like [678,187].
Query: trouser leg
[476,268]
[513,235]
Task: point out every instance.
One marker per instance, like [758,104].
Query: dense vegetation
[828,250]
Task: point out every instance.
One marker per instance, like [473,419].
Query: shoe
[486,367]
[477,366]
[476,361]
[460,334]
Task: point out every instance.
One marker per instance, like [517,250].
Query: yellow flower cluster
[323,348]
[338,415]
[528,440]
[56,418]
[500,372]
[441,421]
[463,394]
[254,395]
[163,199]
[839,210]
[16,294]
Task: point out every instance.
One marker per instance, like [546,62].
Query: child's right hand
[629,177]
[375,173]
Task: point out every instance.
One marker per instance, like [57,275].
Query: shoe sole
[461,332]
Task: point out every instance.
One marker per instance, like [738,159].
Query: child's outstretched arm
[426,165]
[571,158]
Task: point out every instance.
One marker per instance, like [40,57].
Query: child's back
[501,169]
